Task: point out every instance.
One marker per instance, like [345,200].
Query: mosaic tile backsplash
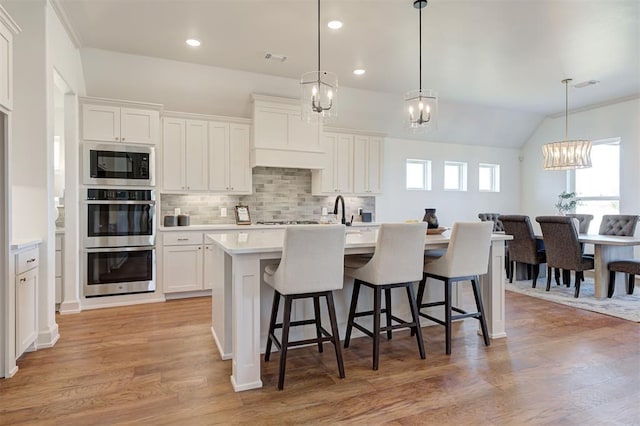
[278,194]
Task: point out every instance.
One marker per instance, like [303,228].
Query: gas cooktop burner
[287,222]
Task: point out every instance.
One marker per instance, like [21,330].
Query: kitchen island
[239,293]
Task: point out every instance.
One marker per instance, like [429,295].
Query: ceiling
[502,53]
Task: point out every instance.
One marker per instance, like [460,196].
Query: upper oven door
[108,164]
[119,223]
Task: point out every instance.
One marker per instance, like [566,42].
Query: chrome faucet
[335,209]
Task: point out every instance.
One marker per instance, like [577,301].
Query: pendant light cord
[318,43]
[420,44]
[566,109]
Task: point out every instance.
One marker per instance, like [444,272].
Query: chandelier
[567,154]
[420,106]
[319,91]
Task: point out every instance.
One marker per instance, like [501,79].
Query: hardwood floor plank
[157,364]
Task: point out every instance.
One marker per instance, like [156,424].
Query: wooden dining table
[238,292]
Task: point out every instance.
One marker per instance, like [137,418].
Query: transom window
[455,176]
[489,177]
[419,175]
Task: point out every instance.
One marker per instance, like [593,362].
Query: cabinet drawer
[26,260]
[182,238]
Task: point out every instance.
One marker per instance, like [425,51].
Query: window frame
[462,175]
[495,177]
[426,174]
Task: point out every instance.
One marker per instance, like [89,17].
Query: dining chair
[630,267]
[524,246]
[397,262]
[466,258]
[618,224]
[584,220]
[563,249]
[492,217]
[311,267]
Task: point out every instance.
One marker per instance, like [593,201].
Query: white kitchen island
[239,292]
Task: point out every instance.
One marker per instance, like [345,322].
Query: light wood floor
[157,365]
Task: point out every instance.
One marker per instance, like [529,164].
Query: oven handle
[147,202]
[118,249]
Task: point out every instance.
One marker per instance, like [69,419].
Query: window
[598,187]
[489,177]
[455,176]
[419,175]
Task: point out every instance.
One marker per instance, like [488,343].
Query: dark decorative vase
[431,218]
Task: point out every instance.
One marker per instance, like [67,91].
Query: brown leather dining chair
[523,248]
[563,248]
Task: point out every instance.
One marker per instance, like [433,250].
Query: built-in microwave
[116,165]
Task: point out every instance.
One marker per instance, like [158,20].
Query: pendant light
[567,154]
[420,106]
[319,93]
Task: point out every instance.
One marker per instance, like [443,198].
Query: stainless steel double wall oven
[119,220]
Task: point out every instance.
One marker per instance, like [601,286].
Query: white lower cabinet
[183,262]
[26,283]
[59,274]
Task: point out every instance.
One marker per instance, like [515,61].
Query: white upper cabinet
[281,138]
[229,166]
[8,28]
[112,123]
[367,170]
[184,154]
[337,174]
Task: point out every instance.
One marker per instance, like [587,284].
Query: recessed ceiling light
[193,42]
[335,25]
[359,71]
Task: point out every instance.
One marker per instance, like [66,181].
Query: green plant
[566,202]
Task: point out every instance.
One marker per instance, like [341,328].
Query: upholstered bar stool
[467,257]
[311,267]
[629,267]
[396,262]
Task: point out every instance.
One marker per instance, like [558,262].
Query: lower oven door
[119,270]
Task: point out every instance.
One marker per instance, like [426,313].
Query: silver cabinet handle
[31,260]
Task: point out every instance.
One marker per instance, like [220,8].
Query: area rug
[621,305]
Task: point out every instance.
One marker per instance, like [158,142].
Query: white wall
[203,89]
[397,204]
[540,188]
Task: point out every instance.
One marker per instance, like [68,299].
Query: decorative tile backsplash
[278,194]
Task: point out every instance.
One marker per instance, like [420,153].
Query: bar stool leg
[377,295]
[334,333]
[387,305]
[272,324]
[352,312]
[483,321]
[416,319]
[316,310]
[286,321]
[447,315]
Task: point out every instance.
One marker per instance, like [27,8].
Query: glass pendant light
[567,154]
[420,106]
[319,94]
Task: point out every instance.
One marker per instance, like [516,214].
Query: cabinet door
[139,125]
[173,150]
[218,155]
[6,67]
[327,175]
[182,268]
[360,164]
[26,310]
[239,168]
[100,123]
[374,166]
[343,164]
[197,161]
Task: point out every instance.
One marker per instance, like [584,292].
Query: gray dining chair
[492,217]
[618,224]
[524,247]
[584,220]
[563,248]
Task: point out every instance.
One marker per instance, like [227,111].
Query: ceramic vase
[431,218]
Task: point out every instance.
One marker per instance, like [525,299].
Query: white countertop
[234,227]
[23,244]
